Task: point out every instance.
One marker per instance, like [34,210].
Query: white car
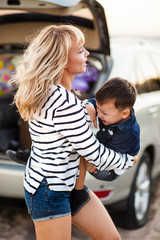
[137,60]
[133,59]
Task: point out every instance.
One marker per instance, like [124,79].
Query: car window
[147,72]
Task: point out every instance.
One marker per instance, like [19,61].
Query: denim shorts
[47,204]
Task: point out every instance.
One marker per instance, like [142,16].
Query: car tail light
[103,194]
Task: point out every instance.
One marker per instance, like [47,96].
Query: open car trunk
[20,19]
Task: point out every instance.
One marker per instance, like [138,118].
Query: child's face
[109,114]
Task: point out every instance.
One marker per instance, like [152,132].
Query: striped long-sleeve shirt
[60,133]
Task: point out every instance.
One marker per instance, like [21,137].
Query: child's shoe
[20,156]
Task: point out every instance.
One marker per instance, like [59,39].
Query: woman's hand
[92,113]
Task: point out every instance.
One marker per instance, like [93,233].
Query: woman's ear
[125,113]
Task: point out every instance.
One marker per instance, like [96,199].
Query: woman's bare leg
[94,220]
[54,229]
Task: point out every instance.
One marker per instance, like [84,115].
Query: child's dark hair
[119,89]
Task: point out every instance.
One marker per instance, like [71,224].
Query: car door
[147,67]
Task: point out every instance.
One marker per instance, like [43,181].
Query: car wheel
[136,213]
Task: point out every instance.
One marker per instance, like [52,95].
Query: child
[118,128]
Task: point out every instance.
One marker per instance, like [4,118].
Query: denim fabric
[106,175]
[47,204]
[78,199]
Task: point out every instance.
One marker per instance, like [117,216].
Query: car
[137,60]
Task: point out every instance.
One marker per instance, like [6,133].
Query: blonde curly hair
[43,64]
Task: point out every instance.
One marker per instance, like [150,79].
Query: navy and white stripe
[60,134]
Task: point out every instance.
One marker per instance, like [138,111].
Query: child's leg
[79,195]
[105,175]
[80,181]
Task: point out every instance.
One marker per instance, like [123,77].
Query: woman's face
[77,59]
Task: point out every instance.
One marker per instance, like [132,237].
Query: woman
[58,124]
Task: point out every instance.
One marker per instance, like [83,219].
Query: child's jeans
[105,175]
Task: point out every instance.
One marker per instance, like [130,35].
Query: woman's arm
[71,123]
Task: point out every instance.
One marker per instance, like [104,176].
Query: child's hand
[92,113]
[91,168]
[136,157]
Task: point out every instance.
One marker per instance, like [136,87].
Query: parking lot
[15,223]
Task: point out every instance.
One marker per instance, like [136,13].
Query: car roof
[22,17]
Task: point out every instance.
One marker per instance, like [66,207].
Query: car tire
[135,216]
